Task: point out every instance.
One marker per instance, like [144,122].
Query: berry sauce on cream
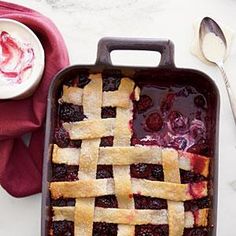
[16,60]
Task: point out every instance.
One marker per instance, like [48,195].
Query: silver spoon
[209,27]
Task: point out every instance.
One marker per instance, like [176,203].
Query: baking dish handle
[107,44]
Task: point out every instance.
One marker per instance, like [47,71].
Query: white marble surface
[83,23]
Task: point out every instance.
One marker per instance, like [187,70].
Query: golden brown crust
[201,217]
[69,156]
[121,156]
[196,163]
[133,217]
[90,129]
[84,214]
[175,209]
[121,97]
[81,188]
[72,95]
[129,155]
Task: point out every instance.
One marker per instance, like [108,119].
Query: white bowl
[22,33]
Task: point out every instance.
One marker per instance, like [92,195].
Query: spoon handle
[231,95]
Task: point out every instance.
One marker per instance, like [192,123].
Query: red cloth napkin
[21,165]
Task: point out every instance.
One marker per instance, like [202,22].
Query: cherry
[179,143]
[166,104]
[63,202]
[61,137]
[58,172]
[179,124]
[200,148]
[190,177]
[72,173]
[63,228]
[64,172]
[157,173]
[75,143]
[104,229]
[104,171]
[83,80]
[139,170]
[200,101]
[108,112]
[80,81]
[111,83]
[108,201]
[107,141]
[143,202]
[193,205]
[144,103]
[154,122]
[152,230]
[71,113]
[196,232]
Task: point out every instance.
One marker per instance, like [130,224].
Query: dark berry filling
[154,122]
[190,177]
[167,103]
[201,148]
[143,202]
[151,230]
[178,143]
[70,113]
[107,141]
[166,113]
[61,172]
[83,80]
[147,171]
[179,124]
[63,202]
[108,112]
[61,137]
[111,83]
[144,103]
[104,172]
[193,205]
[80,81]
[75,143]
[201,231]
[104,229]
[62,228]
[170,116]
[200,101]
[108,201]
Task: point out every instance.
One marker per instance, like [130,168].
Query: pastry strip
[69,156]
[121,216]
[72,95]
[121,97]
[90,129]
[100,187]
[89,152]
[122,155]
[175,209]
[122,137]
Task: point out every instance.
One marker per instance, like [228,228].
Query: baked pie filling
[128,160]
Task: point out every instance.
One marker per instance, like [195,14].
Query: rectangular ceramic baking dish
[164,74]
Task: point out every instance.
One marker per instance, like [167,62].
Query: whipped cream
[21,60]
[16,60]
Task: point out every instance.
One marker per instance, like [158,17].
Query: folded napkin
[21,165]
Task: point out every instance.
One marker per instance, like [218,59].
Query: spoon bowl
[213,45]
[208,25]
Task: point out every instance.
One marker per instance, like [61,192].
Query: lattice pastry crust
[121,155]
